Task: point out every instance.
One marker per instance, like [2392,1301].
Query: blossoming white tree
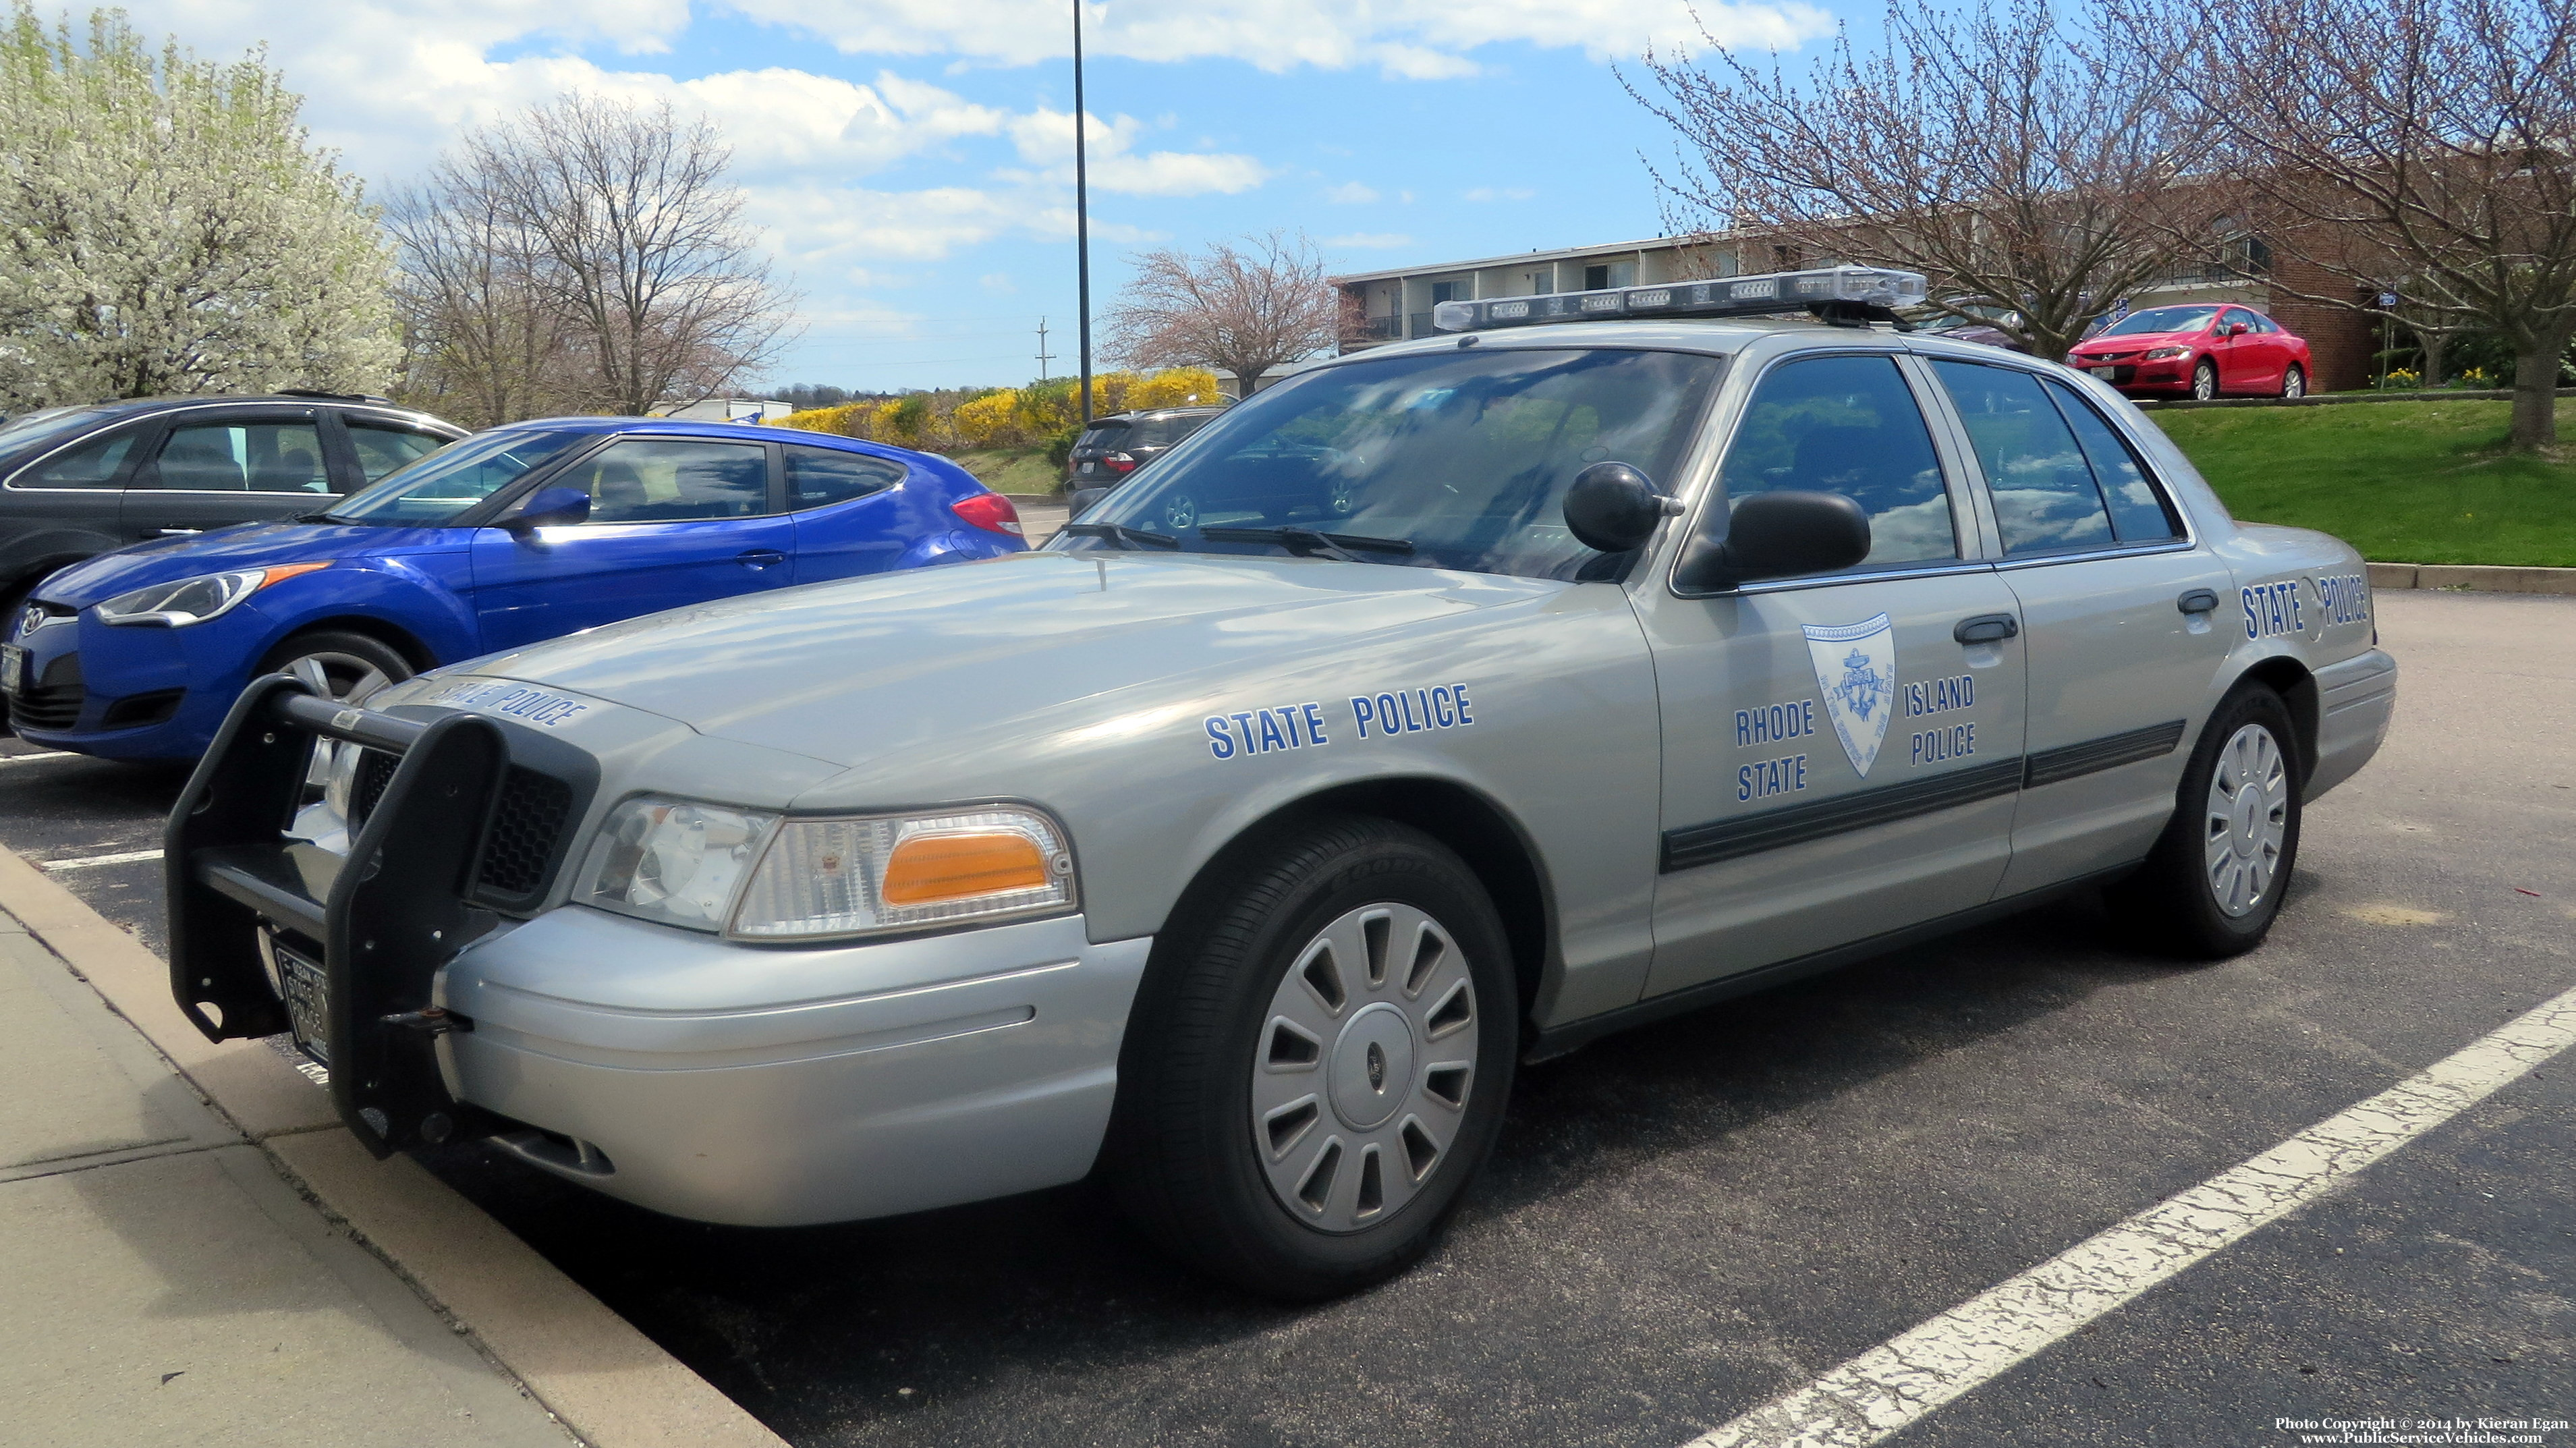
[165,228]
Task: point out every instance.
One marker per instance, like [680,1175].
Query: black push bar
[391,914]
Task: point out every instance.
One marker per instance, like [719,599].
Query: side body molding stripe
[1695,845]
[2048,766]
[1707,844]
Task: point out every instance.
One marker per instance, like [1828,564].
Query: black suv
[1113,447]
[77,481]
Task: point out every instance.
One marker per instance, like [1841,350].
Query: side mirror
[1612,508]
[550,508]
[1779,535]
[2236,329]
[1082,500]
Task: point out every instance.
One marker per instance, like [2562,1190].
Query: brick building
[1384,306]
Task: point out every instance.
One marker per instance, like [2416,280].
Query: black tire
[1183,1156]
[344,657]
[2294,381]
[2173,901]
[2204,380]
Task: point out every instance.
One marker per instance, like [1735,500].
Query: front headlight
[673,860]
[860,876]
[195,600]
[2165,354]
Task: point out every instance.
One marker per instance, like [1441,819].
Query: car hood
[850,671]
[246,545]
[2132,342]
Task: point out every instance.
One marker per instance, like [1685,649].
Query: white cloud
[1351,193]
[1411,39]
[1497,193]
[1045,138]
[999,283]
[1370,240]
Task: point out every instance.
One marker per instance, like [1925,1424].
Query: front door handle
[759,557]
[2198,600]
[1986,628]
[181,532]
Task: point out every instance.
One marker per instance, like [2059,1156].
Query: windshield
[45,426]
[2160,319]
[447,482]
[1463,455]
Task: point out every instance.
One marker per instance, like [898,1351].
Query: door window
[1848,425]
[2043,489]
[382,447]
[96,463]
[672,480]
[820,475]
[2139,513]
[236,457]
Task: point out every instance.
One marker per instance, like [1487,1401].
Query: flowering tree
[1245,308]
[165,228]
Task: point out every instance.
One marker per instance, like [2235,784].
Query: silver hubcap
[345,677]
[2247,821]
[2204,383]
[2296,385]
[1180,512]
[1364,1066]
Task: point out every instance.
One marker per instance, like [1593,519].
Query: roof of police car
[1720,335]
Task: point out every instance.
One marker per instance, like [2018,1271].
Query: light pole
[1081,216]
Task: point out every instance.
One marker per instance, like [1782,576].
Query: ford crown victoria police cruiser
[1615,655]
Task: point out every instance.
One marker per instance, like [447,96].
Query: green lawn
[1010,470]
[2404,482]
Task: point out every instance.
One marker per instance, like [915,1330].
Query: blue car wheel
[349,667]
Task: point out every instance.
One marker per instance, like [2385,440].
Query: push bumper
[764,1086]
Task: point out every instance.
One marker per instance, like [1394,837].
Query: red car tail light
[991,512]
[1120,463]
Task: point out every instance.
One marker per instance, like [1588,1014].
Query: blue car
[523,533]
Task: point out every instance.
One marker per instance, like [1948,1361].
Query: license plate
[13,668]
[307,988]
[2103,371]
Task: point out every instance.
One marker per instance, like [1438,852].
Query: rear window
[1104,435]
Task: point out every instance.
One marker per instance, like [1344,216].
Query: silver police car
[1618,653]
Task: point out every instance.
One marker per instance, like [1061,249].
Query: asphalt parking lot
[1682,1223]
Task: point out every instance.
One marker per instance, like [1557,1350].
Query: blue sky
[908,162]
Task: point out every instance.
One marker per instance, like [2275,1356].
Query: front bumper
[766,1086]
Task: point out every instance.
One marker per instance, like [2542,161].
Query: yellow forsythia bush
[850,419]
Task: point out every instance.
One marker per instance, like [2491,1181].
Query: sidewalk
[164,1284]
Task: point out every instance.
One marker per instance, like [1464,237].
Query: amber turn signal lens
[927,869]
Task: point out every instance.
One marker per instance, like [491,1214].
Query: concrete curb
[2334,399]
[600,1377]
[2479,577]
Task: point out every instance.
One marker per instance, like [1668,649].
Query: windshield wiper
[1121,534]
[1307,543]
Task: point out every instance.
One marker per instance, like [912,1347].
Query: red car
[2199,349]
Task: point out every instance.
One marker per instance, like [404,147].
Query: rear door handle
[2198,600]
[1986,628]
[759,557]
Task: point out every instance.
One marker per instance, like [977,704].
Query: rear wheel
[1317,1070]
[2204,380]
[2294,382]
[2212,886]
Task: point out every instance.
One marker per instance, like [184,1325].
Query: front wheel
[2212,885]
[2294,382]
[1318,1068]
[2204,380]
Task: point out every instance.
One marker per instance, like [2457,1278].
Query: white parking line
[1906,1378]
[128,858]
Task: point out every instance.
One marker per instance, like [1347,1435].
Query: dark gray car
[1113,447]
[79,481]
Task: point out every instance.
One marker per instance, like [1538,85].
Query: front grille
[527,823]
[525,827]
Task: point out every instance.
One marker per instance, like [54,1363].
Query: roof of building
[1657,243]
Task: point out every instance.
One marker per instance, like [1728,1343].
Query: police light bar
[1838,293]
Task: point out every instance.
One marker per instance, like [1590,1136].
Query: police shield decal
[1856,669]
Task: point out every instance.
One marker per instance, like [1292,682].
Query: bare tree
[636,243]
[485,341]
[2025,167]
[1245,308]
[2425,147]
